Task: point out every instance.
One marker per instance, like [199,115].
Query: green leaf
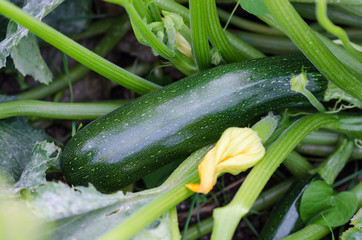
[23,46]
[320,206]
[85,213]
[17,139]
[70,16]
[354,232]
[255,7]
[41,160]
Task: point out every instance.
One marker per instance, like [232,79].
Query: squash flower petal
[237,150]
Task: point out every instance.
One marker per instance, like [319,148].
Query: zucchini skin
[170,123]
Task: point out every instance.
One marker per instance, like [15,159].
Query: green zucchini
[168,124]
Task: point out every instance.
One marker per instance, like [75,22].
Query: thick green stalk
[200,41]
[313,47]
[77,51]
[56,110]
[227,218]
[217,35]
[175,231]
[336,162]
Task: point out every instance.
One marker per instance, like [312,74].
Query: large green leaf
[84,213]
[320,206]
[23,46]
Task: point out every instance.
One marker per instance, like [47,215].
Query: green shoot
[66,69]
[299,84]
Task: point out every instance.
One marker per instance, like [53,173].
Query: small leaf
[41,160]
[320,206]
[23,47]
[354,232]
[255,7]
[17,139]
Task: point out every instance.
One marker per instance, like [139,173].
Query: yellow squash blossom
[237,150]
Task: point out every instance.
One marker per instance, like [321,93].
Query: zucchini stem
[336,162]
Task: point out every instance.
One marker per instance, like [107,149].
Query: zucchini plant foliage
[228,81]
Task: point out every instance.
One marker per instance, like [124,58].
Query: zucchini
[168,124]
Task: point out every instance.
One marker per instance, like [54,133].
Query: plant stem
[336,162]
[268,44]
[338,31]
[313,47]
[175,231]
[338,16]
[200,41]
[55,110]
[324,150]
[97,28]
[264,201]
[76,51]
[217,35]
[247,24]
[247,50]
[310,232]
[227,218]
[297,164]
[321,138]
